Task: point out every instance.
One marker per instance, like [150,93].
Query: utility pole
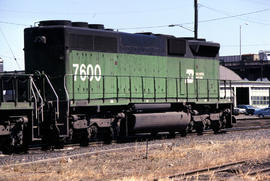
[240,43]
[196,19]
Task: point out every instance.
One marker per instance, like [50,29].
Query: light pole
[240,44]
[196,19]
[195,29]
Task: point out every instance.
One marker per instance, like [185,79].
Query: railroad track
[206,170]
[100,146]
[261,171]
[227,170]
[78,155]
[142,138]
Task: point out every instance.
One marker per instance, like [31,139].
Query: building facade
[255,93]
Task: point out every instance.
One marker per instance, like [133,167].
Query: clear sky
[219,21]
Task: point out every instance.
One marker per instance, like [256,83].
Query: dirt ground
[168,158]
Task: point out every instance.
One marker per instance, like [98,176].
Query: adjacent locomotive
[84,82]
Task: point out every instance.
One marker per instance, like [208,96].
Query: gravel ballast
[131,161]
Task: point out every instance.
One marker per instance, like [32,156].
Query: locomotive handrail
[103,89]
[186,88]
[208,90]
[15,88]
[191,91]
[41,99]
[35,97]
[218,85]
[177,92]
[68,99]
[127,76]
[57,98]
[65,88]
[226,86]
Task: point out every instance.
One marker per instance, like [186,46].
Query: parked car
[249,109]
[263,112]
[237,111]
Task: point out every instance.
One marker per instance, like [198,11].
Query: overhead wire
[248,45]
[202,21]
[228,16]
[181,25]
[14,58]
[8,57]
[235,16]
[241,18]
[10,23]
[159,26]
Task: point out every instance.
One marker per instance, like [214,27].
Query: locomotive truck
[84,82]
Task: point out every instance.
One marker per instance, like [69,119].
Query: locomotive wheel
[198,126]
[7,148]
[123,130]
[16,142]
[207,123]
[171,134]
[228,123]
[183,132]
[93,131]
[215,126]
[233,119]
[50,137]
[190,127]
[114,133]
[108,135]
[84,141]
[228,120]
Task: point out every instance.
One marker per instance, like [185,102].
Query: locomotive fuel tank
[160,122]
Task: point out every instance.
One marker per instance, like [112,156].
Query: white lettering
[76,66]
[83,72]
[87,71]
[199,75]
[190,76]
[90,72]
[97,73]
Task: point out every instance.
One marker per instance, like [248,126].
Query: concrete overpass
[250,70]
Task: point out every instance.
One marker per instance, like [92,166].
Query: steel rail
[79,155]
[264,170]
[208,169]
[130,140]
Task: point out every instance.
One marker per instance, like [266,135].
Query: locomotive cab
[45,52]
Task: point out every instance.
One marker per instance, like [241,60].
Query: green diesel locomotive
[84,82]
